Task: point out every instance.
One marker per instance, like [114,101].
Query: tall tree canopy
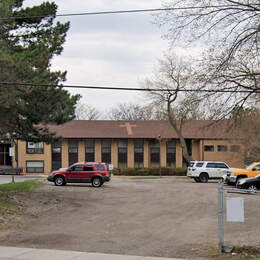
[29,39]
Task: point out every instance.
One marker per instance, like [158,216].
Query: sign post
[220,218]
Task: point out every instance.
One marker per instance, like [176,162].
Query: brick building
[132,144]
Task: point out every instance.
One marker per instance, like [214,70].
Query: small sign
[110,167]
[235,210]
[11,151]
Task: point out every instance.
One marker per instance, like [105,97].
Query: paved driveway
[168,217]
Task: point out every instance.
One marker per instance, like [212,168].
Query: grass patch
[240,253]
[9,205]
[21,186]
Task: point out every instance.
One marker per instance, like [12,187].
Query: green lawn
[21,186]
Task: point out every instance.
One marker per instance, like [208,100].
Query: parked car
[202,171]
[234,174]
[249,183]
[90,172]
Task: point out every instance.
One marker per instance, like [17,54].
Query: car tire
[204,177]
[59,181]
[97,182]
[252,187]
[196,179]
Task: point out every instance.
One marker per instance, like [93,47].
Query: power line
[131,89]
[117,12]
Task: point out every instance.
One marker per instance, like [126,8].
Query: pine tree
[29,39]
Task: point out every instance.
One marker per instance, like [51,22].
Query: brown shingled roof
[195,129]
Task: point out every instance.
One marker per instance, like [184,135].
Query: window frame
[35,150]
[28,161]
[207,146]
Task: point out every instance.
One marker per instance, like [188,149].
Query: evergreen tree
[29,39]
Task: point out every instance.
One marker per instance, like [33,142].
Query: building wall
[45,157]
[234,159]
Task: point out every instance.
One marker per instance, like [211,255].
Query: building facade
[128,144]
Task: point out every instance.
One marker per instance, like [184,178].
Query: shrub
[155,171]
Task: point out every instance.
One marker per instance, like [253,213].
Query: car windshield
[249,166]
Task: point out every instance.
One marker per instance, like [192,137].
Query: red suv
[90,172]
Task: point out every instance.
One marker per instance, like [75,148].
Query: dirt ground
[168,217]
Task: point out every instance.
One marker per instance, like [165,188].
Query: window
[73,151]
[155,153]
[199,164]
[106,150]
[222,148]
[234,148]
[209,148]
[34,148]
[90,150]
[211,165]
[256,168]
[88,168]
[76,168]
[56,155]
[221,165]
[100,167]
[5,159]
[35,166]
[139,153]
[171,153]
[122,153]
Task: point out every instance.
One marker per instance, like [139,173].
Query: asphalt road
[168,217]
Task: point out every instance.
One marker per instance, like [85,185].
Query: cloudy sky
[118,50]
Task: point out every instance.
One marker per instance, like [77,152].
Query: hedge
[155,171]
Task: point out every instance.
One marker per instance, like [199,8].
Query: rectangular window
[106,150]
[5,159]
[35,166]
[171,153]
[155,153]
[56,155]
[73,151]
[122,153]
[222,148]
[90,150]
[139,153]
[209,148]
[234,148]
[34,148]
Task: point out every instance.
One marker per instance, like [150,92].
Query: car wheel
[59,181]
[252,187]
[197,179]
[97,182]
[204,177]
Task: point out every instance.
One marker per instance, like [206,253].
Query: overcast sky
[118,50]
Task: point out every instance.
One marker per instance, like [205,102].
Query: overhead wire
[130,89]
[118,12]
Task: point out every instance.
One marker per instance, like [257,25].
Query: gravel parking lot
[168,217]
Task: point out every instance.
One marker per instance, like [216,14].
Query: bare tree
[87,112]
[130,111]
[171,81]
[232,23]
[229,30]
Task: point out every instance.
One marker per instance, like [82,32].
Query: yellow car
[234,174]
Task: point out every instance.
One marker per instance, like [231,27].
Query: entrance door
[5,159]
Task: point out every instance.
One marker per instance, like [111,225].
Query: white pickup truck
[202,171]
